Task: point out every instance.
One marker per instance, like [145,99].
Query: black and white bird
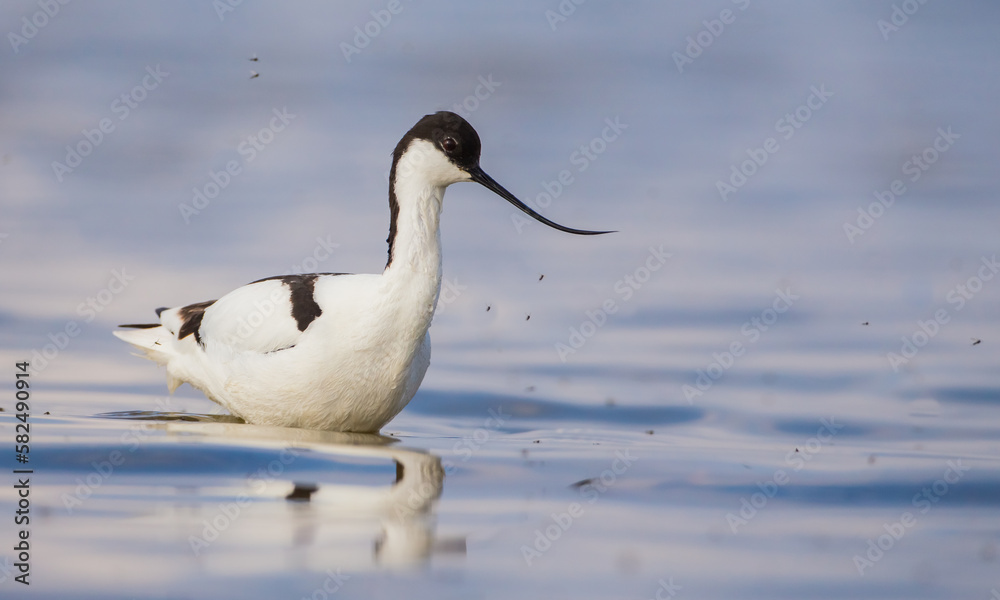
[329,350]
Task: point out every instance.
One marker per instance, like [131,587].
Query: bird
[333,351]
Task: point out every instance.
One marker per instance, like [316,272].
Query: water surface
[783,388]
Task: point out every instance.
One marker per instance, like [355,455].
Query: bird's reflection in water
[403,509]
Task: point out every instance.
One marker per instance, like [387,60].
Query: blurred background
[805,196]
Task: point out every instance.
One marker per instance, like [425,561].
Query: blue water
[778,380]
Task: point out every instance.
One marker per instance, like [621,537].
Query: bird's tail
[155,341]
[152,338]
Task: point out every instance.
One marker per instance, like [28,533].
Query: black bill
[480,177]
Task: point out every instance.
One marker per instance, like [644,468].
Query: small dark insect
[649,432]
[488,307]
[865,323]
[253,58]
[527,318]
[537,442]
[976,341]
[254,74]
[541,277]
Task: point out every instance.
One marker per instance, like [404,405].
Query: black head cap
[450,133]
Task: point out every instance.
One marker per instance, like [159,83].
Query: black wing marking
[191,316]
[305,309]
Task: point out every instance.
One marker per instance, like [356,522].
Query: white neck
[416,246]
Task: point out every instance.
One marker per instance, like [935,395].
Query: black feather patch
[305,309]
[304,306]
[191,316]
[141,325]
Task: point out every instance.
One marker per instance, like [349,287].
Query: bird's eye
[449,144]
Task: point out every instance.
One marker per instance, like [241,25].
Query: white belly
[352,369]
[351,391]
